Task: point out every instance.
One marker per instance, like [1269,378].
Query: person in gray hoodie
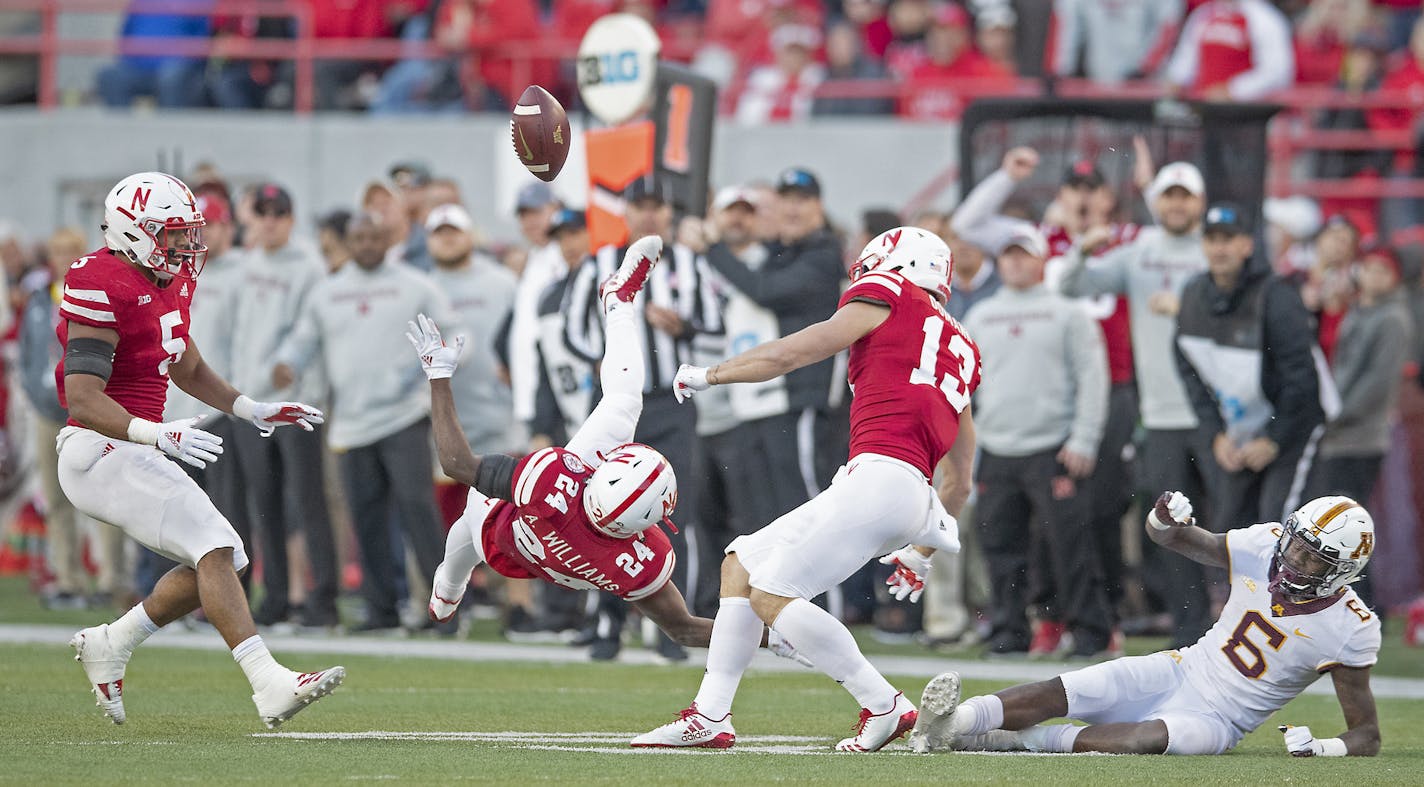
[1039,415]
[1370,353]
[352,325]
[282,472]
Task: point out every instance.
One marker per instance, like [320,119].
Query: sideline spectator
[384,199]
[1038,417]
[1322,35]
[1329,285]
[353,323]
[475,29]
[1246,354]
[40,353]
[534,207]
[174,81]
[975,277]
[909,21]
[413,179]
[331,239]
[282,473]
[783,91]
[1112,41]
[995,28]
[1236,50]
[1376,338]
[871,22]
[1407,74]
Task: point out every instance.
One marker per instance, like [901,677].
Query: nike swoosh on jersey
[1300,633]
[528,154]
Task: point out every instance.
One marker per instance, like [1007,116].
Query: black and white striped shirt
[678,283]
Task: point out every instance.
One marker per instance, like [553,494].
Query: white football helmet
[153,219]
[1323,547]
[631,491]
[918,255]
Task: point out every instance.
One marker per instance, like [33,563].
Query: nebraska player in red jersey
[912,369]
[583,516]
[125,334]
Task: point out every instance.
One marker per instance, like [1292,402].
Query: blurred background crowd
[1322,291]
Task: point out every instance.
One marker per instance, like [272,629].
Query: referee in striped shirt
[676,304]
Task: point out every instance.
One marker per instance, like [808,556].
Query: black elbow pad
[89,356]
[495,478]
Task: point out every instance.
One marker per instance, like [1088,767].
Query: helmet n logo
[892,239]
[1367,545]
[140,199]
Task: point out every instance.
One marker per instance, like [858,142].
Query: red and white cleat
[874,730]
[104,663]
[285,697]
[691,729]
[628,280]
[442,609]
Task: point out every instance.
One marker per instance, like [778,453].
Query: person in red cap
[1374,344]
[936,86]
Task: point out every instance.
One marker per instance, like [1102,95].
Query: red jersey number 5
[952,385]
[173,345]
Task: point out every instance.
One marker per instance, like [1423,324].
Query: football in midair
[540,129]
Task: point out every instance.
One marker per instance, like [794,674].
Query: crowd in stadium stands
[775,56]
[1129,407]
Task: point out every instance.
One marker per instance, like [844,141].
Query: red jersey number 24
[954,384]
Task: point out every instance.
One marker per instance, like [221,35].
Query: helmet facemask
[178,250]
[1307,569]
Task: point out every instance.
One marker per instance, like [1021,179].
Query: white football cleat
[627,281]
[940,699]
[691,729]
[874,730]
[104,664]
[285,697]
[442,609]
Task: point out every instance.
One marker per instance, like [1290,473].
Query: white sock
[130,630]
[1050,737]
[256,661]
[978,715]
[452,576]
[829,645]
[736,635]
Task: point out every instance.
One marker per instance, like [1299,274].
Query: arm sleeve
[583,331]
[977,218]
[1203,400]
[1272,55]
[495,477]
[778,288]
[1288,340]
[1106,273]
[1088,359]
[1182,68]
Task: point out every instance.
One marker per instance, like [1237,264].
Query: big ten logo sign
[608,68]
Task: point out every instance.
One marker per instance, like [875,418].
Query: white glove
[690,379]
[436,358]
[1301,743]
[267,416]
[182,440]
[911,569]
[1173,509]
[777,644]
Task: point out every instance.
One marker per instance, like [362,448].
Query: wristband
[242,407]
[1155,522]
[1332,747]
[143,432]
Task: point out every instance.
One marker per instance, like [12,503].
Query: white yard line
[909,666]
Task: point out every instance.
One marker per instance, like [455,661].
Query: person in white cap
[481,291]
[1151,271]
[1039,416]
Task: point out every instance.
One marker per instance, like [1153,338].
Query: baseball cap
[795,35]
[798,180]
[1178,174]
[566,219]
[645,188]
[271,198]
[733,195]
[214,208]
[1226,217]
[1027,237]
[1383,253]
[1084,172]
[533,196]
[449,215]
[410,173]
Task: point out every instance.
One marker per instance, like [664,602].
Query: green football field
[442,719]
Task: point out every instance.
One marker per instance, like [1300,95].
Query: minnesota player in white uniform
[125,334]
[1290,618]
[913,370]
